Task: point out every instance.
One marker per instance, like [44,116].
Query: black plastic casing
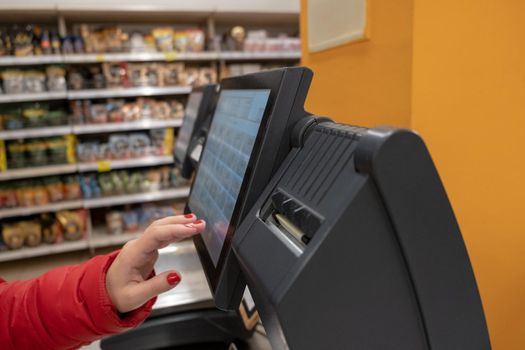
[285,107]
[387,267]
[200,128]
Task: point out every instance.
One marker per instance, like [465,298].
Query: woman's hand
[127,280]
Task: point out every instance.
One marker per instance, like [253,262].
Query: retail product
[73,223]
[41,191]
[31,115]
[51,229]
[114,222]
[56,78]
[37,152]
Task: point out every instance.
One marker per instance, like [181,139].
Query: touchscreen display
[224,161]
[184,137]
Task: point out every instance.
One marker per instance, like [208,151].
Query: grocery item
[73,223]
[56,78]
[51,229]
[12,236]
[114,222]
[32,232]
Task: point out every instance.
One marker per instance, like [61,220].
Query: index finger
[160,236]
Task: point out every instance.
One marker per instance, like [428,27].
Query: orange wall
[366,83]
[469,105]
[455,72]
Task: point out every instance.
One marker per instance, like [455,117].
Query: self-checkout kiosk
[344,235]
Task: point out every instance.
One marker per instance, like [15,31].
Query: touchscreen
[184,137]
[224,161]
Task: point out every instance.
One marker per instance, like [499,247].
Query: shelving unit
[148,57]
[51,207]
[172,193]
[126,163]
[128,92]
[37,171]
[213,19]
[81,129]
[29,97]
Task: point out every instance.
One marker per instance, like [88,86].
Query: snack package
[32,231]
[12,236]
[119,146]
[73,224]
[131,221]
[51,229]
[139,144]
[56,78]
[163,38]
[114,222]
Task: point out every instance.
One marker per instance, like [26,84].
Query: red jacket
[64,308]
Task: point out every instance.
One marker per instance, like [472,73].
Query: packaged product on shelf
[130,219]
[72,189]
[34,81]
[56,78]
[119,146]
[32,230]
[8,196]
[172,73]
[55,117]
[206,76]
[51,229]
[16,154]
[89,186]
[55,43]
[238,34]
[12,236]
[158,138]
[73,223]
[139,145]
[40,194]
[57,148]
[164,38]
[180,38]
[22,41]
[13,81]
[115,74]
[34,114]
[75,79]
[11,118]
[37,152]
[55,189]
[114,222]
[196,40]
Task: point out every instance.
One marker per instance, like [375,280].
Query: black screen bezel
[213,271]
[178,155]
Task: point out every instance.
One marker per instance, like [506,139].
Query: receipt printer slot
[293,216]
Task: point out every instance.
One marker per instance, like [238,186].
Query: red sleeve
[65,308]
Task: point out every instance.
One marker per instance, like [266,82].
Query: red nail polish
[173,278]
[198,222]
[188,216]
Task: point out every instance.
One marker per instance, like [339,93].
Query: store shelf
[52,207]
[30,60]
[129,92]
[44,249]
[126,164]
[25,173]
[100,238]
[249,56]
[35,132]
[172,193]
[141,57]
[138,125]
[28,97]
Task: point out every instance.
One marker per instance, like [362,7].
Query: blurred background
[92,95]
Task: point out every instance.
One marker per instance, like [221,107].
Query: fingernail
[198,222]
[173,278]
[188,216]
